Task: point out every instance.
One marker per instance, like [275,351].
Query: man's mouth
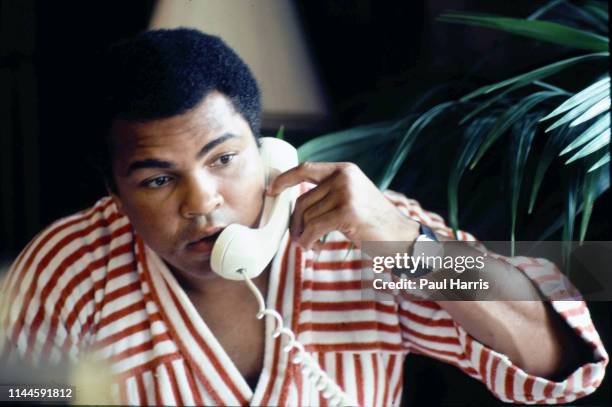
[205,243]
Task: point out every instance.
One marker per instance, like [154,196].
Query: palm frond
[601,162]
[407,141]
[339,145]
[574,114]
[599,142]
[590,92]
[597,8]
[472,139]
[536,29]
[601,106]
[536,74]
[588,14]
[509,117]
[522,137]
[546,85]
[570,216]
[482,106]
[590,189]
[546,157]
[593,131]
[544,9]
[587,104]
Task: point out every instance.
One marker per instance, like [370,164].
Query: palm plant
[519,111]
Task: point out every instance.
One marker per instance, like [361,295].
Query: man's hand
[344,200]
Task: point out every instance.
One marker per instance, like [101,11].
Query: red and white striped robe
[89,284]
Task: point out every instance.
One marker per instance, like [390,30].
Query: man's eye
[157,182]
[224,160]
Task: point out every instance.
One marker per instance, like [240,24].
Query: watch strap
[425,235]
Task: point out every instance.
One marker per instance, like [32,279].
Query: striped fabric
[88,284]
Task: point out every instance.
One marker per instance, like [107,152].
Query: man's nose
[200,197]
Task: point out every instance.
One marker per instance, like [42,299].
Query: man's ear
[115,197]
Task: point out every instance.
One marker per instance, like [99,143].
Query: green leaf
[406,143]
[578,111]
[598,9]
[581,11]
[589,194]
[472,139]
[599,142]
[570,216]
[280,134]
[540,30]
[602,161]
[522,138]
[535,74]
[599,107]
[549,152]
[544,9]
[552,228]
[602,185]
[597,128]
[339,145]
[509,117]
[548,86]
[484,105]
[593,90]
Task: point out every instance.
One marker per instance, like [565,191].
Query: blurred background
[323,67]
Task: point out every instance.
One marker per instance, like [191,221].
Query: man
[129,280]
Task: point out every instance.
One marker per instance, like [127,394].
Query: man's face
[183,179]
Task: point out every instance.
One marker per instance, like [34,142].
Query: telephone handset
[249,250]
[242,253]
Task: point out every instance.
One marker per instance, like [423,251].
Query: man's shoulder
[75,240]
[57,275]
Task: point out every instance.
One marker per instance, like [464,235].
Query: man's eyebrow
[155,163]
[148,163]
[214,143]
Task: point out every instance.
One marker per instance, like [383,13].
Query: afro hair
[162,73]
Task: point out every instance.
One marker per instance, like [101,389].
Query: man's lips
[206,241]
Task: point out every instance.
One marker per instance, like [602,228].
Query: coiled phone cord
[323,383]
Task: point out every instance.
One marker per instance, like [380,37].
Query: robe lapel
[213,368]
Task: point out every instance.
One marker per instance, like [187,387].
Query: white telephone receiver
[242,253]
[240,250]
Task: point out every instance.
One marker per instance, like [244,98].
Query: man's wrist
[422,240]
[410,232]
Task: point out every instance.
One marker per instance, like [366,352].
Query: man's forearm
[530,333]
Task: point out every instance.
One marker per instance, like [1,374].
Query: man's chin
[194,271]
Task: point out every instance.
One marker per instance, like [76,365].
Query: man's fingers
[314,211]
[308,171]
[318,194]
[320,207]
[319,227]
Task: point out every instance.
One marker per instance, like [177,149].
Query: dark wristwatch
[425,235]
